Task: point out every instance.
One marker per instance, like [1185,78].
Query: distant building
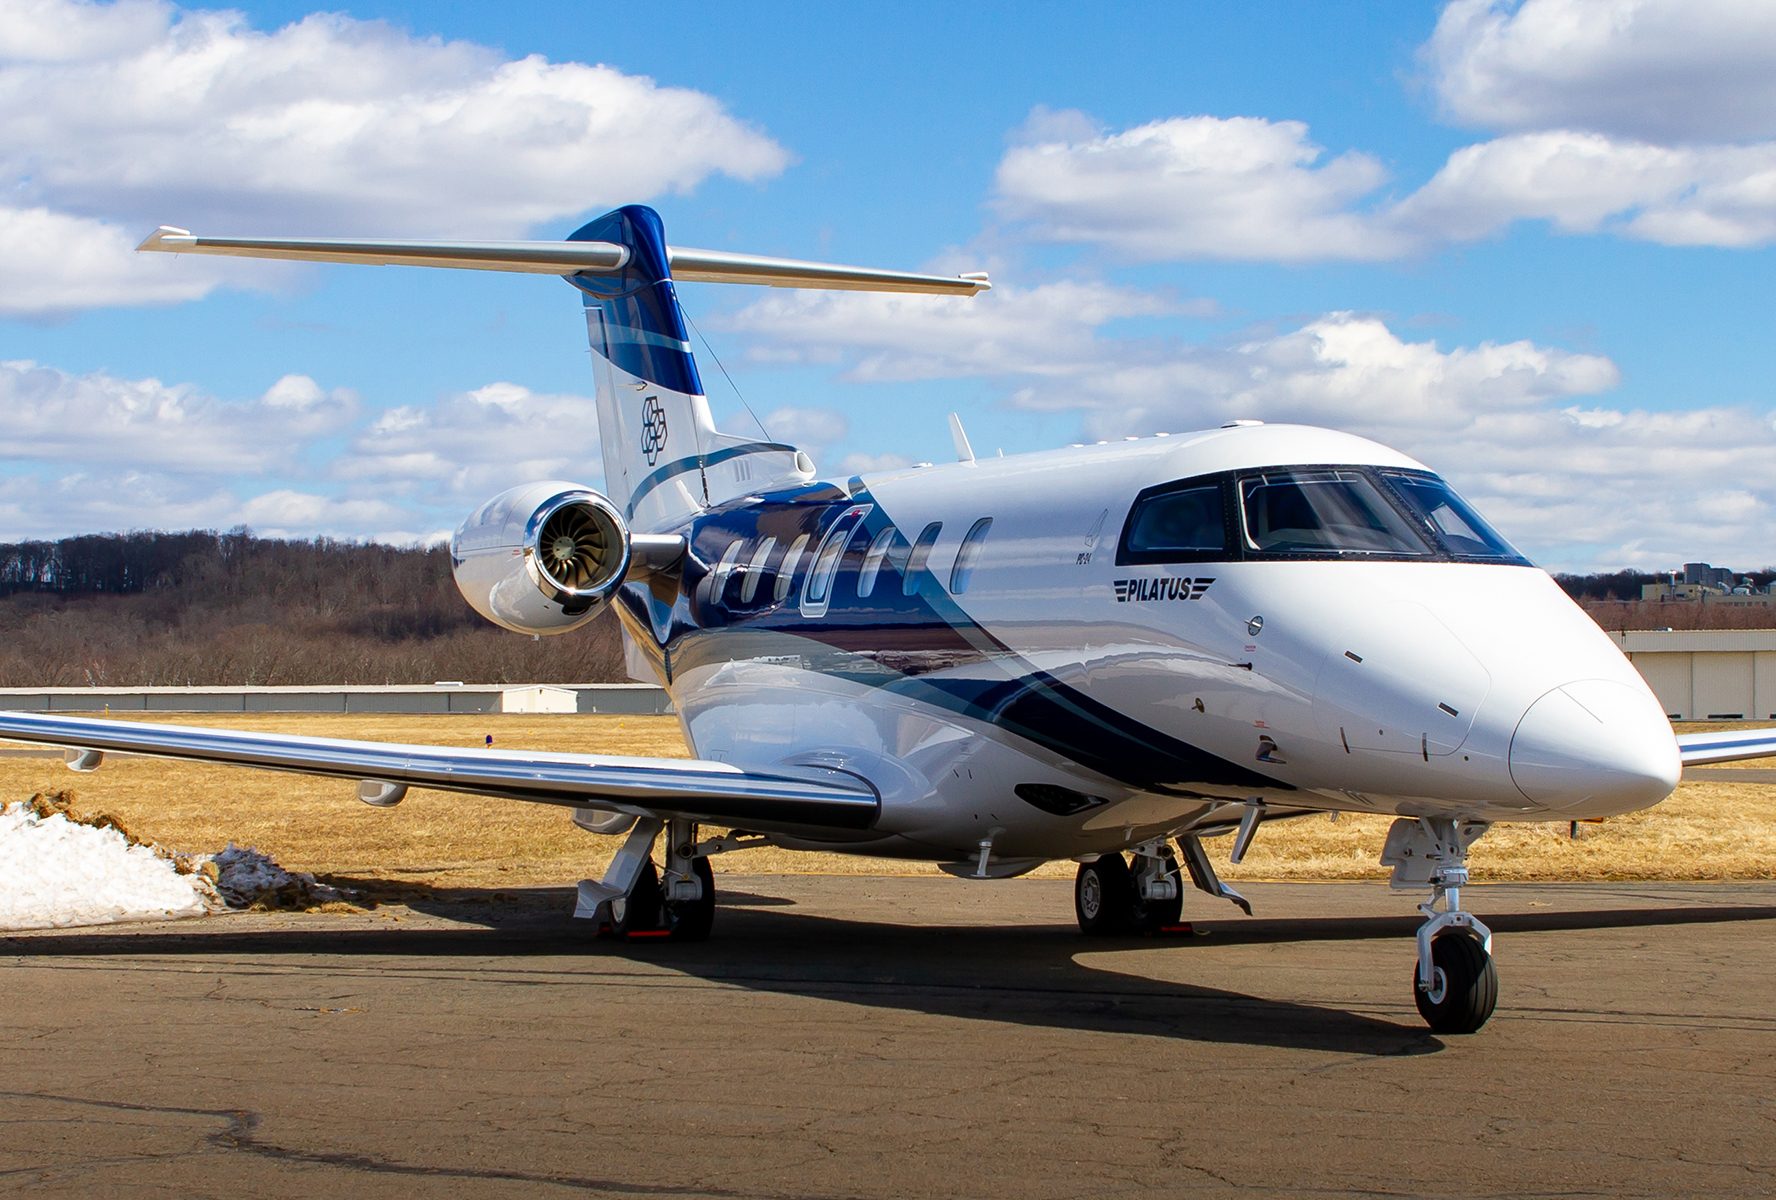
[1701,583]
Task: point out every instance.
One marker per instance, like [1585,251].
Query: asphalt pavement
[869,1037]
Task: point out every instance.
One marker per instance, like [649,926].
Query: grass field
[1706,831]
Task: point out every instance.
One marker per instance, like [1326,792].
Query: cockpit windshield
[1313,512]
[1309,512]
[1447,515]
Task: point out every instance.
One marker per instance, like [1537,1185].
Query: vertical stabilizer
[663,457]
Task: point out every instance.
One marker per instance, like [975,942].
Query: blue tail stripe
[645,332]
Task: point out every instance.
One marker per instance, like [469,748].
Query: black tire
[689,920]
[1151,916]
[1104,897]
[1469,985]
[640,910]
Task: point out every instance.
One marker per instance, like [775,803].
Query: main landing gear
[635,899]
[1109,898]
[1455,983]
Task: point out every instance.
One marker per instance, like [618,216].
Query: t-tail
[663,457]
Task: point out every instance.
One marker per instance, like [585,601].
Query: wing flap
[790,800]
[1732,745]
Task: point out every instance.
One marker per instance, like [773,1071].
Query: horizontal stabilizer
[567,258]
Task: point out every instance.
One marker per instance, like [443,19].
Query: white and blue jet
[1104,653]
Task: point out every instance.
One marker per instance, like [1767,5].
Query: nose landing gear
[1455,984]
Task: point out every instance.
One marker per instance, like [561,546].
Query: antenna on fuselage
[964,452]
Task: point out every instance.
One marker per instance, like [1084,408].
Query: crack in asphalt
[240,1134]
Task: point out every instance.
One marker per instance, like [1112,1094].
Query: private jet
[1106,653]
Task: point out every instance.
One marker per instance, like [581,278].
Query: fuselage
[1063,653]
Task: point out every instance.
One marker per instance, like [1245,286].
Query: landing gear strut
[1455,983]
[634,899]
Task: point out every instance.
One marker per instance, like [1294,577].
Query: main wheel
[1464,988]
[640,910]
[1104,896]
[689,920]
[1151,916]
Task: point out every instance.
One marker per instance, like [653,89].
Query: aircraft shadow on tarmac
[1020,974]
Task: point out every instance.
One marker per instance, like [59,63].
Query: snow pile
[58,868]
[56,872]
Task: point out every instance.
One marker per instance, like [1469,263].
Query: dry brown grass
[1705,831]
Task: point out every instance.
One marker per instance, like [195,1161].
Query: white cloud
[1588,183]
[1024,330]
[53,416]
[1247,189]
[1193,187]
[464,448]
[145,113]
[52,264]
[1518,426]
[1652,70]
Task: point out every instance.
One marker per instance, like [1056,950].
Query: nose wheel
[1455,984]
[1464,985]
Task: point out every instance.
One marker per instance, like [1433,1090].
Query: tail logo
[653,429]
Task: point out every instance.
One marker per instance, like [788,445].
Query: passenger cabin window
[1448,516]
[792,558]
[967,553]
[755,570]
[1185,525]
[872,562]
[718,579]
[909,583]
[1337,512]
[817,593]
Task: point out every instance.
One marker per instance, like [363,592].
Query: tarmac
[870,1037]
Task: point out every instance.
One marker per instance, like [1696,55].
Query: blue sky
[1528,243]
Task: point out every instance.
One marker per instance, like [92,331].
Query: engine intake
[543,558]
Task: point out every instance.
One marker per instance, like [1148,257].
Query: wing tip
[168,238]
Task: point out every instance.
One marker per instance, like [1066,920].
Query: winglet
[168,237]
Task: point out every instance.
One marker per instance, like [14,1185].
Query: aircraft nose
[1596,746]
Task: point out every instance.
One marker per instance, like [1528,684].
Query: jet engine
[543,558]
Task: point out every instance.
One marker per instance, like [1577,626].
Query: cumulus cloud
[1645,70]
[1587,183]
[53,416]
[464,448]
[1193,187]
[94,451]
[893,337]
[141,113]
[1242,188]
[1520,426]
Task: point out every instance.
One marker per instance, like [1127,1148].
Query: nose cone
[1594,748]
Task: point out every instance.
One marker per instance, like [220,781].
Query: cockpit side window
[1322,512]
[1449,517]
[1182,523]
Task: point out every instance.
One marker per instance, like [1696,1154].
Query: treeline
[225,609]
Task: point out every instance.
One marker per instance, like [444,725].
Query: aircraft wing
[795,800]
[1731,745]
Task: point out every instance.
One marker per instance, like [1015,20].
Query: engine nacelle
[542,558]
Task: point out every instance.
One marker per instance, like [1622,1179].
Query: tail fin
[663,456]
